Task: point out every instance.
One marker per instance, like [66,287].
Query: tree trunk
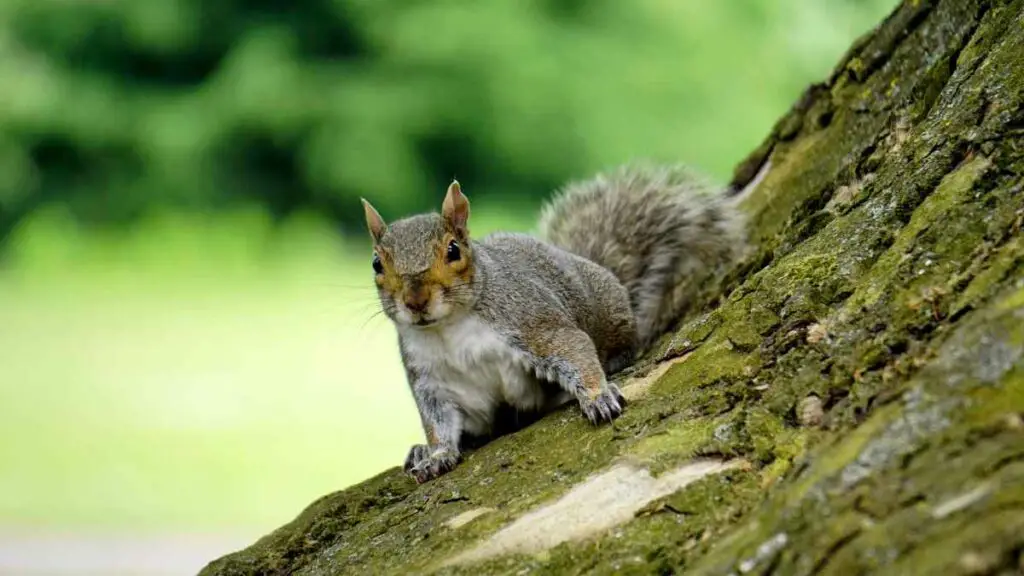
[854,403]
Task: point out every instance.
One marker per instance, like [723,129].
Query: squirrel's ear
[456,207]
[374,222]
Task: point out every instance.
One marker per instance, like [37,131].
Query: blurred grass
[193,373]
[118,107]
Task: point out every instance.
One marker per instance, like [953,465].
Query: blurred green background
[186,334]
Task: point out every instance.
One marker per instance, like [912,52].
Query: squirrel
[533,321]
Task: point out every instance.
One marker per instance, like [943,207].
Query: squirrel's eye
[377,266]
[454,253]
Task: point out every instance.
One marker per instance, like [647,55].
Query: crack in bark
[834,549]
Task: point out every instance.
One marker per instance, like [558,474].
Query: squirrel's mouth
[423,322]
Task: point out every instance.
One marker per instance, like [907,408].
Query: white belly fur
[471,365]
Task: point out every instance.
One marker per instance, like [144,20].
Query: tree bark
[853,402]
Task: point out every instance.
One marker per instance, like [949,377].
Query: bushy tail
[660,230]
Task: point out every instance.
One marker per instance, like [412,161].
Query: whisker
[369,319]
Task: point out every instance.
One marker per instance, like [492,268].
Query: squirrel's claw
[425,465]
[608,405]
[417,454]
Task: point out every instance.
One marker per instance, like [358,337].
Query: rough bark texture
[863,372]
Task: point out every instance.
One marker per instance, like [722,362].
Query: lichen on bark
[864,366]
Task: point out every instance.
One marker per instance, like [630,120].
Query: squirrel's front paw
[425,464]
[607,406]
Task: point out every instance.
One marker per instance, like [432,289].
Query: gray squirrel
[514,320]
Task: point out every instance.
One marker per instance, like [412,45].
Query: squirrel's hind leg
[567,356]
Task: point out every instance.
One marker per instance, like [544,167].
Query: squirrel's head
[423,265]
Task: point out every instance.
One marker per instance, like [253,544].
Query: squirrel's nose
[417,300]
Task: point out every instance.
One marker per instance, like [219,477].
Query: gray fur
[533,310]
[624,252]
[660,230]
[411,240]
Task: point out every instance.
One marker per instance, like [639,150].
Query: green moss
[833,457]
[665,535]
[679,440]
[956,421]
[715,361]
[776,200]
[690,335]
[772,439]
[929,214]
[772,473]
[1013,302]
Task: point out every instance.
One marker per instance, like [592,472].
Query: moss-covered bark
[865,366]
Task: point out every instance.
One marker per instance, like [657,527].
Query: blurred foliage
[118,108]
